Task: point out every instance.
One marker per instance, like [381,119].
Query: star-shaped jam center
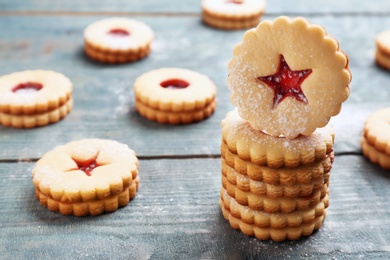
[286,82]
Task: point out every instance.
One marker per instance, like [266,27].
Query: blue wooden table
[176,214]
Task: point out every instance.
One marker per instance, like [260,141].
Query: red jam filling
[118,32]
[28,86]
[174,84]
[238,2]
[87,166]
[286,82]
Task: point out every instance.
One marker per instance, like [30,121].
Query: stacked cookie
[86,177]
[277,150]
[382,54]
[232,14]
[34,98]
[117,40]
[174,96]
[375,141]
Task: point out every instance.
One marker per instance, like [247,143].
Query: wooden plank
[176,215]
[104,102]
[193,6]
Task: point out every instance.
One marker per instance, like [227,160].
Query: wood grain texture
[178,7]
[104,101]
[176,215]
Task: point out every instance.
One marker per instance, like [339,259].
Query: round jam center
[27,88]
[174,84]
[87,167]
[237,2]
[118,32]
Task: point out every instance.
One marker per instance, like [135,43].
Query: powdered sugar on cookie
[312,72]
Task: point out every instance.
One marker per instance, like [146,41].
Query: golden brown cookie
[244,183]
[303,174]
[117,40]
[375,156]
[263,219]
[232,14]
[382,54]
[39,119]
[174,96]
[34,98]
[265,150]
[377,130]
[80,175]
[290,233]
[294,83]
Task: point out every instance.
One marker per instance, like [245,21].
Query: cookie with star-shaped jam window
[86,177]
[288,77]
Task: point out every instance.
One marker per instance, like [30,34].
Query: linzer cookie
[275,226]
[305,174]
[86,177]
[34,98]
[262,149]
[232,14]
[288,77]
[376,138]
[382,54]
[117,40]
[174,96]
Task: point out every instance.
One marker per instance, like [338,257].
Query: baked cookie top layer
[288,77]
[262,149]
[85,170]
[121,34]
[234,8]
[33,91]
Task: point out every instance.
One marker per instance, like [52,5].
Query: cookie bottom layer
[41,119]
[288,233]
[174,118]
[231,23]
[375,156]
[93,208]
[382,59]
[116,57]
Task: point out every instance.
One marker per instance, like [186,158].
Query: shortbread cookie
[232,14]
[117,40]
[303,174]
[273,204]
[265,150]
[275,220]
[39,119]
[374,155]
[175,118]
[86,173]
[174,96]
[290,233]
[33,92]
[294,83]
[232,180]
[382,55]
[93,208]
[377,130]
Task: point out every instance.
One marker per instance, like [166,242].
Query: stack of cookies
[375,141]
[34,98]
[286,78]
